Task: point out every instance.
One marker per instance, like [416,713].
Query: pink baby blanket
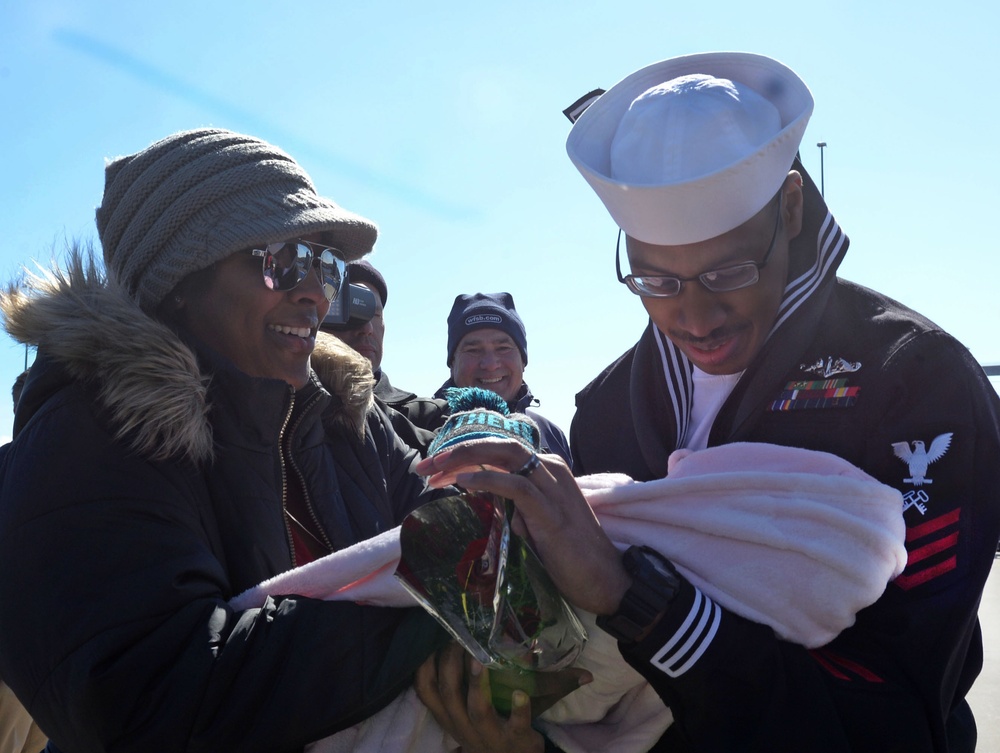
[795,539]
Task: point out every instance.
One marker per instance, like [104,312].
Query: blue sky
[442,122]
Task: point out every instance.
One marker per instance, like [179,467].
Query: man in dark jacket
[488,348]
[367,338]
[753,338]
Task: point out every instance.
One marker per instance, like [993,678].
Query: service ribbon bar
[813,395]
[823,384]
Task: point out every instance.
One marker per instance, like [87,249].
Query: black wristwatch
[655,583]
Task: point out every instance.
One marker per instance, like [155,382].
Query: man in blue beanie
[488,348]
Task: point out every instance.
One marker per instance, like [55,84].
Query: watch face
[638,556]
[662,566]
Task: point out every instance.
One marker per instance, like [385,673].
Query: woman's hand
[579,557]
[544,689]
[457,691]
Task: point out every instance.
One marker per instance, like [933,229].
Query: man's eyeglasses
[286,264]
[722,280]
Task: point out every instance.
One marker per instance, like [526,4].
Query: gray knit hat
[196,197]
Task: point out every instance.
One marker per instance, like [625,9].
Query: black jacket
[415,419]
[853,373]
[143,489]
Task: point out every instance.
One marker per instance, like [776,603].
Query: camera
[353,307]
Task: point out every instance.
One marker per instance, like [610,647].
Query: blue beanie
[485,311]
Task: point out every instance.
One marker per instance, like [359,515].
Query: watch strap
[655,584]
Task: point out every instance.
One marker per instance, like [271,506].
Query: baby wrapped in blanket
[795,539]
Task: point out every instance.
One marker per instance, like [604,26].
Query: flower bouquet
[486,586]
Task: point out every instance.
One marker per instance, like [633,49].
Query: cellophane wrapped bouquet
[482,581]
[485,585]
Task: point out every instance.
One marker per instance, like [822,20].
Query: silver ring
[526,469]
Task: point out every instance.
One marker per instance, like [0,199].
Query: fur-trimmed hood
[150,381]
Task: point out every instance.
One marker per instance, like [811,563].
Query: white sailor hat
[689,148]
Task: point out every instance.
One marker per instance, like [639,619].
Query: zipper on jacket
[284,478]
[301,478]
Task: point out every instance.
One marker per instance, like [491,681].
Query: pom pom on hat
[469,398]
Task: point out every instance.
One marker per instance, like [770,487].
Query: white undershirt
[710,392]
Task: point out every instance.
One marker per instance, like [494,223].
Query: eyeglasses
[286,264]
[722,280]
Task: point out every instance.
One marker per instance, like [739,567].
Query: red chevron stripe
[930,526]
[925,551]
[827,666]
[827,659]
[906,581]
[863,672]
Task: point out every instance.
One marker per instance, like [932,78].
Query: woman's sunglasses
[287,263]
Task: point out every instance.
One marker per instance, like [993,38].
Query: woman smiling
[174,447]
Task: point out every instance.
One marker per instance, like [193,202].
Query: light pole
[822,183]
